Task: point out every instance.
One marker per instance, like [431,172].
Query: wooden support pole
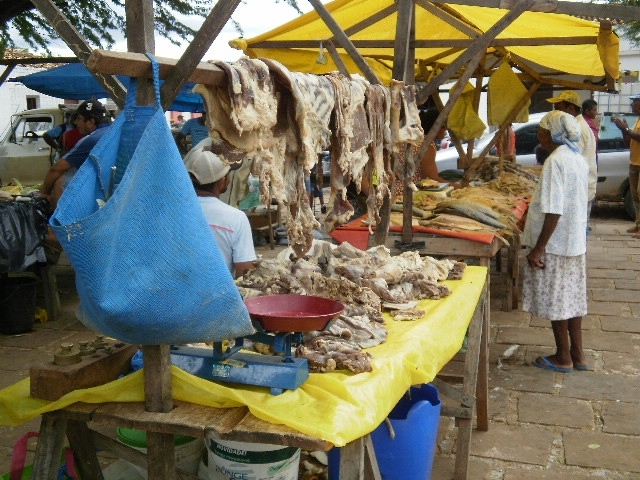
[141,39]
[337,59]
[341,38]
[80,47]
[202,41]
[139,65]
[6,73]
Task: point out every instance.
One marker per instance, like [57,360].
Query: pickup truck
[24,155]
[613,156]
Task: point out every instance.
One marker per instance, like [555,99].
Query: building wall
[13,97]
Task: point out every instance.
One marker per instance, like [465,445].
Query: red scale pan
[293,313]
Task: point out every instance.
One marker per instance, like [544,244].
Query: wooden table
[357,458]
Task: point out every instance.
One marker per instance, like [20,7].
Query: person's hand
[620,123]
[534,258]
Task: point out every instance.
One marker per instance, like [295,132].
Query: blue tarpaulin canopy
[74,82]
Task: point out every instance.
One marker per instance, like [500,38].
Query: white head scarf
[564,128]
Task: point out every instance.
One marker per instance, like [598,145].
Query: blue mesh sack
[148,268]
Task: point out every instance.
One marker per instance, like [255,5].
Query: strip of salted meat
[307,101]
[378,105]
[350,139]
[313,101]
[405,127]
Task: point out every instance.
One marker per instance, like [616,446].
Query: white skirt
[557,292]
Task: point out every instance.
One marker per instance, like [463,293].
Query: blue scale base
[275,372]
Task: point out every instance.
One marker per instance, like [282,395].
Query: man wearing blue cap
[631,138]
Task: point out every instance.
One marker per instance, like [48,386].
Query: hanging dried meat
[378,106]
[349,142]
[406,128]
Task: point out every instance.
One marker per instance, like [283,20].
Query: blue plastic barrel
[415,420]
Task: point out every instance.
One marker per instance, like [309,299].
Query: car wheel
[628,205]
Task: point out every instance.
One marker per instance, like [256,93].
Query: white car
[613,156]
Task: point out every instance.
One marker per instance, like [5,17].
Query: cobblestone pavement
[543,425]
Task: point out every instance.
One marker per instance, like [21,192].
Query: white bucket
[255,461]
[188,450]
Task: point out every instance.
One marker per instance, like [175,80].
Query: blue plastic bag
[148,269]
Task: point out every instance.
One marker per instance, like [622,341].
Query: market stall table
[335,408]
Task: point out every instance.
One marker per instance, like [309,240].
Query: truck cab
[24,155]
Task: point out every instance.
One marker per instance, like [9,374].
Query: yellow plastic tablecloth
[338,407]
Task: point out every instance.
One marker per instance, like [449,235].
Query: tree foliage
[98,20]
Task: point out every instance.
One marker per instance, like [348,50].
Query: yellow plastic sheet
[463,120]
[505,91]
[337,407]
[582,60]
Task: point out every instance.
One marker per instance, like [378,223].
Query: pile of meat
[282,121]
[364,281]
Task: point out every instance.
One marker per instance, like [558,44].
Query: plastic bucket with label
[258,461]
[188,450]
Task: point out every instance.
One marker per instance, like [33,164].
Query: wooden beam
[440,43]
[438,11]
[343,40]
[138,65]
[372,19]
[141,39]
[6,73]
[80,47]
[401,44]
[337,59]
[211,27]
[479,46]
[401,65]
[578,9]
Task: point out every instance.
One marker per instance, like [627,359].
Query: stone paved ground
[544,425]
[555,426]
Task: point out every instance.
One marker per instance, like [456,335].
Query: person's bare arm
[55,172]
[52,142]
[241,268]
[548,227]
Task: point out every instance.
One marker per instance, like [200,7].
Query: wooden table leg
[161,457]
[49,448]
[352,457]
[514,271]
[372,470]
[50,291]
[469,388]
[80,440]
[482,388]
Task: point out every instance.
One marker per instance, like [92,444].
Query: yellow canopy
[559,47]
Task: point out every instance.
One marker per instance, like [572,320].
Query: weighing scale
[280,321]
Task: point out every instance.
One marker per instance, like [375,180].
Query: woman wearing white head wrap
[563,127]
[554,284]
